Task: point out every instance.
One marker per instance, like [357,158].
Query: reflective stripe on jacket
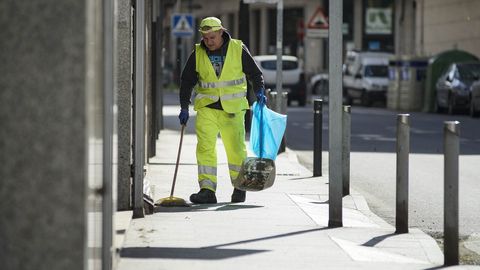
[230,87]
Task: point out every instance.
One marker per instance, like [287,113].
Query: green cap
[210,24]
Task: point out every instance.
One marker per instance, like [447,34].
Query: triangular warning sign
[318,20]
[183,25]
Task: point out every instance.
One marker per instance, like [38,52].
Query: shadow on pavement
[224,206]
[234,206]
[204,253]
[375,240]
[271,237]
[184,253]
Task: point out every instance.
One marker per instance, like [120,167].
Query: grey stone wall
[124,100]
[447,25]
[149,130]
[43,134]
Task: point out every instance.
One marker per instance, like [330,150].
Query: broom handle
[178,161]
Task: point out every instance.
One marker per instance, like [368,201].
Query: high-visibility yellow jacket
[230,87]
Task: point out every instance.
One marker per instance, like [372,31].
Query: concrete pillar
[263,30]
[234,29]
[419,27]
[124,100]
[405,28]
[51,136]
[358,23]
[149,124]
[253,33]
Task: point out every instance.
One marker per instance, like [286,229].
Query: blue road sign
[182,25]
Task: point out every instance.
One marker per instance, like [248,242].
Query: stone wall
[450,24]
[43,134]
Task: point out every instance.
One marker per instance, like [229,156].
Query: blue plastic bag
[267,131]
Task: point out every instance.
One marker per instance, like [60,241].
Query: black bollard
[403,150]
[317,137]
[451,145]
[346,138]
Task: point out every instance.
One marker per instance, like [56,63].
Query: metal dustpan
[255,174]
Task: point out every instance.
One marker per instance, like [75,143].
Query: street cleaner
[218,68]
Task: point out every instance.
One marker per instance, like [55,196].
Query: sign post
[335,129]
[278,49]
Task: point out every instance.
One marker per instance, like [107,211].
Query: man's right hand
[183,116]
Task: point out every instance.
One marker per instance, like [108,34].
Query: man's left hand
[261,98]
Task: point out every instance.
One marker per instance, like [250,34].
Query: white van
[293,79]
[365,76]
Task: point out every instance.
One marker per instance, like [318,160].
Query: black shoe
[238,195]
[203,196]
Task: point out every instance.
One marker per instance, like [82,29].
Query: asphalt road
[373,161]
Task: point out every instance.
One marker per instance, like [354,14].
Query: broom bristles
[172,201]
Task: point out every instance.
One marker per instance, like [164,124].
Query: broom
[174,201]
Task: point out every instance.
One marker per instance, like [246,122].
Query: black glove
[183,116]
[261,98]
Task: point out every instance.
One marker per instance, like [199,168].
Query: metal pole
[403,150]
[279,46]
[335,163]
[283,107]
[108,131]
[317,137]
[346,122]
[244,35]
[139,109]
[450,217]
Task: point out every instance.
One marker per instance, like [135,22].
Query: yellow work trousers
[231,126]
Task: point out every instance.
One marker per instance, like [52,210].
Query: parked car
[453,86]
[475,99]
[319,86]
[293,78]
[365,76]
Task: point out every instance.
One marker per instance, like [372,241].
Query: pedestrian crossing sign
[182,25]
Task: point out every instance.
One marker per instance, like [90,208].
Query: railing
[451,173]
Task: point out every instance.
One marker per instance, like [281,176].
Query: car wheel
[473,110]
[302,101]
[436,107]
[316,88]
[347,100]
[365,99]
[451,105]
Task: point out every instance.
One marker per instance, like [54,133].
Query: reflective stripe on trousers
[208,124]
[234,171]
[208,184]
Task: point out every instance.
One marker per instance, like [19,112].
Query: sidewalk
[284,227]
